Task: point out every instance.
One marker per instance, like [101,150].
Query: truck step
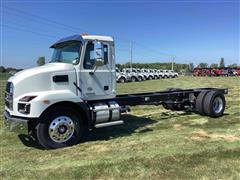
[109,124]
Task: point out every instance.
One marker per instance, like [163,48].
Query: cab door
[97,82]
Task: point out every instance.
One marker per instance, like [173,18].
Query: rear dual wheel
[210,103]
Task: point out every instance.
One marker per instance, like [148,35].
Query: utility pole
[131,44]
[173,59]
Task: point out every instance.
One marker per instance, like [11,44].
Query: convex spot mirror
[98,53]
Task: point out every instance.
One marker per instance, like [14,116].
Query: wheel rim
[61,129]
[217,105]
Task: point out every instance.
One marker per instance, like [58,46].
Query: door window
[89,56]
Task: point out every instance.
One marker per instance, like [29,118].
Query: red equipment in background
[216,71]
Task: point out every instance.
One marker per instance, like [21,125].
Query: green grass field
[154,143]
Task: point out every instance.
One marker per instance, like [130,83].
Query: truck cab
[82,69]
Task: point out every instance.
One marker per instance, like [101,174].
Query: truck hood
[40,79]
[47,68]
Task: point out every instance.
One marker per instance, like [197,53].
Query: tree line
[8,69]
[179,67]
[176,66]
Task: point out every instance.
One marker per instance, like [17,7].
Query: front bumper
[15,124]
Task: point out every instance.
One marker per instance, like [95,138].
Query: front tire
[122,80]
[61,127]
[133,79]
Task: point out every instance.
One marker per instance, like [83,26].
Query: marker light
[84,34]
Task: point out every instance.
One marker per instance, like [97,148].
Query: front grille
[8,97]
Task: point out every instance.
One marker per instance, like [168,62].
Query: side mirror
[98,53]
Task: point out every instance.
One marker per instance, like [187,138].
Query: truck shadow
[134,124]
[29,141]
[131,124]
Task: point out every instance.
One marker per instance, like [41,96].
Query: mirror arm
[94,70]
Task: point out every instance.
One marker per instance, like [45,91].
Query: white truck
[121,77]
[76,92]
[131,75]
[172,74]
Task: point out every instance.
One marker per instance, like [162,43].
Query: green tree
[2,69]
[203,65]
[222,63]
[41,61]
[232,65]
[214,65]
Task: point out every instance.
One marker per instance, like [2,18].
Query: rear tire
[200,102]
[214,104]
[61,127]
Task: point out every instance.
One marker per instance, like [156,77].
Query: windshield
[67,52]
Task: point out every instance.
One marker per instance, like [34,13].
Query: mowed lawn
[154,143]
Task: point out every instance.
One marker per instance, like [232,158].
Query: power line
[26,30]
[35,21]
[47,21]
[44,19]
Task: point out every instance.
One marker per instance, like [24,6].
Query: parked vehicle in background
[196,72]
[160,73]
[155,73]
[173,74]
[166,74]
[120,76]
[215,71]
[150,74]
[145,73]
[237,71]
[131,76]
[224,72]
[139,71]
[139,74]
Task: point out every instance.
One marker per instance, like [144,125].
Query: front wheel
[122,80]
[133,79]
[61,127]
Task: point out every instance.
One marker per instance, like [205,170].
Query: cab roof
[83,37]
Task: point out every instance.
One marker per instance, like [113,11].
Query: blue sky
[193,31]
